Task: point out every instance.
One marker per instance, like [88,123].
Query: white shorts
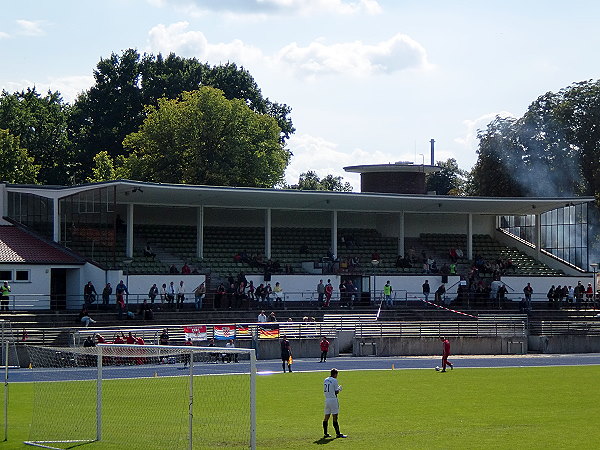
[332,406]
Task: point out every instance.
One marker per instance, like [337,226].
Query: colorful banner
[242,331]
[195,333]
[267,331]
[224,332]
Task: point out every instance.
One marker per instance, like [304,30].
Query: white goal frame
[104,349]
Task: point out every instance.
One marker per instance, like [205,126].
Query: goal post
[143,396]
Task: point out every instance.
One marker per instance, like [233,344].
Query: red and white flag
[195,333]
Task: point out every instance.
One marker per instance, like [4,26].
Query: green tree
[124,84]
[104,168]
[17,166]
[310,181]
[204,138]
[448,181]
[40,122]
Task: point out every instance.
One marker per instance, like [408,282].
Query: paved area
[304,365]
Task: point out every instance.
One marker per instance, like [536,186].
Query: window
[21,275]
[5,275]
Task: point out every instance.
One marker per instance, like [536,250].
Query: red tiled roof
[17,246]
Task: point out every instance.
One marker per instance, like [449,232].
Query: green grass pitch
[550,407]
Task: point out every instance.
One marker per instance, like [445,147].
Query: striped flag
[224,332]
[242,331]
[195,333]
[268,331]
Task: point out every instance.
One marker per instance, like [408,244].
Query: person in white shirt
[331,389]
[262,317]
[180,295]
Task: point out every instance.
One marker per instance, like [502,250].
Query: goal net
[143,396]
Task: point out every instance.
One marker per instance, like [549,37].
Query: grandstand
[98,232]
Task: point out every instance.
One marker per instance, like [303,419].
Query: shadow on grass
[324,440]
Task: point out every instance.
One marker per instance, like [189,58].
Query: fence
[557,328]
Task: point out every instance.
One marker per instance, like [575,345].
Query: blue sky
[369,81]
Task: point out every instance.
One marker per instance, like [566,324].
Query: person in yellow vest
[4,290]
[387,293]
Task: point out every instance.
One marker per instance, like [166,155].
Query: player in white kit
[331,389]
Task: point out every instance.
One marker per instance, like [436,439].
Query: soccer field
[537,407]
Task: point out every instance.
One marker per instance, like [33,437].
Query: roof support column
[129,237]
[469,236]
[334,233]
[55,220]
[401,234]
[268,234]
[538,236]
[200,232]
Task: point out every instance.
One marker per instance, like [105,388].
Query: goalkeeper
[331,388]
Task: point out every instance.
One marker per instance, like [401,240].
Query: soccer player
[331,388]
[445,354]
[324,344]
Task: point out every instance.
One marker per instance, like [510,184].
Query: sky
[368,81]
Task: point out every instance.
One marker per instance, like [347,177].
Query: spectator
[387,294]
[4,291]
[148,251]
[199,294]
[268,293]
[173,269]
[100,339]
[320,293]
[439,294]
[163,294]
[328,293]
[452,254]
[426,290]
[171,293]
[262,317]
[375,256]
[84,317]
[286,354]
[251,290]
[351,291]
[231,356]
[121,307]
[120,291]
[152,293]
[589,294]
[106,292]
[219,296]
[528,291]
[180,295]
[89,293]
[89,342]
[272,317]
[185,269]
[164,337]
[146,310]
[278,292]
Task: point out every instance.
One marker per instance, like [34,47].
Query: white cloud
[31,27]
[324,158]
[401,52]
[69,86]
[176,38]
[318,58]
[267,7]
[4,35]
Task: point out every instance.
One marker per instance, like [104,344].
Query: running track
[305,365]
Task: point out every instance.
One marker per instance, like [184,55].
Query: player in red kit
[445,354]
[324,348]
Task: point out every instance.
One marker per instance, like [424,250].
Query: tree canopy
[124,84]
[40,122]
[204,138]
[17,166]
[310,181]
[448,181]
[553,150]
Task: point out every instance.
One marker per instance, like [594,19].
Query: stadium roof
[143,193]
[18,246]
